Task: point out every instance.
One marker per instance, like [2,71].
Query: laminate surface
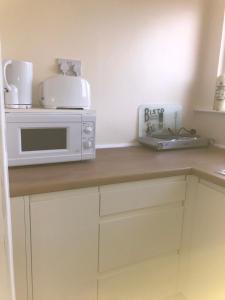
[117,165]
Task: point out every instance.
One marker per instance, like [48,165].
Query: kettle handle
[5,64]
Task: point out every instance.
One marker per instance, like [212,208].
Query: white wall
[133,52]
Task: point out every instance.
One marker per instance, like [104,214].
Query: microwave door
[43,139]
[44,143]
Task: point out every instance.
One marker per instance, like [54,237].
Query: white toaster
[64,91]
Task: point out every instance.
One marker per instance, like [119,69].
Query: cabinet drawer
[122,197]
[154,279]
[126,240]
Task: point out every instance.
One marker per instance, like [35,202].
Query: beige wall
[209,54]
[210,124]
[133,52]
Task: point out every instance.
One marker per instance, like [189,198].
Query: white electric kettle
[18,76]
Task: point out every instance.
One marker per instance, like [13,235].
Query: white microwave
[40,136]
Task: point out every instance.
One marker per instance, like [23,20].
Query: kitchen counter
[115,166]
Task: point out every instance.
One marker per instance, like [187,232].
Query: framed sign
[155,119]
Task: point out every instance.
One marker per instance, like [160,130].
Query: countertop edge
[98,182]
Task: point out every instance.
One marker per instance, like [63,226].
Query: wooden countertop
[116,166]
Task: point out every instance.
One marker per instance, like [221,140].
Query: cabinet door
[64,241]
[207,251]
[19,247]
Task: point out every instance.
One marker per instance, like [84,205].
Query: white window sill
[202,110]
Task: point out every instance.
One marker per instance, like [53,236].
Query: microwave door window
[37,139]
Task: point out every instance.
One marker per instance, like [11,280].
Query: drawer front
[126,240]
[122,197]
[154,279]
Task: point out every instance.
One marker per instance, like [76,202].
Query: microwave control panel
[88,136]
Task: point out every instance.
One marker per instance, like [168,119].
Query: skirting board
[122,145]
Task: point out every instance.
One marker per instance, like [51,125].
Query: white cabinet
[64,242]
[143,240]
[131,239]
[117,198]
[114,242]
[19,245]
[153,279]
[139,239]
[55,239]
[205,247]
